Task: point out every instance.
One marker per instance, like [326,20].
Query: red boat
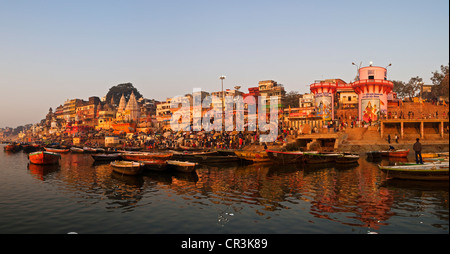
[44,158]
[396,153]
[155,165]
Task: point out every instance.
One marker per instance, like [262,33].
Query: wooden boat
[190,156]
[76,150]
[430,155]
[89,149]
[30,148]
[396,153]
[136,156]
[56,150]
[287,157]
[106,156]
[215,158]
[12,148]
[126,167]
[373,155]
[347,158]
[429,171]
[155,165]
[44,158]
[254,156]
[316,157]
[182,166]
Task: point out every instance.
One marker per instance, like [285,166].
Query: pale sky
[52,51]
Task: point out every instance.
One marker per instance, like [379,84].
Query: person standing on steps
[417,147]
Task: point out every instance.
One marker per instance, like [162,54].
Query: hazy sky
[51,51]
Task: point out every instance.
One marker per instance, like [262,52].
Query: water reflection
[355,195]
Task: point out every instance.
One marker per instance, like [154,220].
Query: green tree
[126,89]
[413,86]
[399,88]
[291,99]
[440,82]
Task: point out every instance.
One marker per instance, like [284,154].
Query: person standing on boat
[417,147]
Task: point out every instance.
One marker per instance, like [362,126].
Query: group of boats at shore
[132,161]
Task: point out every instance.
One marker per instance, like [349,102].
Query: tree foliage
[126,89]
[440,82]
[291,99]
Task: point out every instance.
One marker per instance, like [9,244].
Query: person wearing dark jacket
[417,147]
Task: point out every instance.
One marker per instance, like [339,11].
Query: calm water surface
[79,196]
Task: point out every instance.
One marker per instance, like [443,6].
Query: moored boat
[430,155]
[347,158]
[215,158]
[287,157]
[44,158]
[191,156]
[402,153]
[12,148]
[182,166]
[133,156]
[76,150]
[429,171]
[106,156]
[254,156]
[126,167]
[316,157]
[56,150]
[155,165]
[29,148]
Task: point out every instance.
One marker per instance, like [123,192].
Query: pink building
[372,89]
[324,98]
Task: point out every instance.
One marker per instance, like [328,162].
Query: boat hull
[411,172]
[285,157]
[253,156]
[180,166]
[146,156]
[397,154]
[315,158]
[347,159]
[155,165]
[44,158]
[105,157]
[56,150]
[126,168]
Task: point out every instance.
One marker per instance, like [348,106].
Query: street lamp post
[223,104]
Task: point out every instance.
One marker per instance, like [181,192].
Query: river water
[80,196]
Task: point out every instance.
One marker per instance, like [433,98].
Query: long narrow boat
[126,167]
[254,156]
[44,158]
[431,171]
[133,156]
[29,148]
[76,150]
[347,158]
[106,156]
[402,153]
[12,148]
[56,150]
[155,165]
[288,157]
[182,166]
[315,157]
[191,156]
[205,159]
